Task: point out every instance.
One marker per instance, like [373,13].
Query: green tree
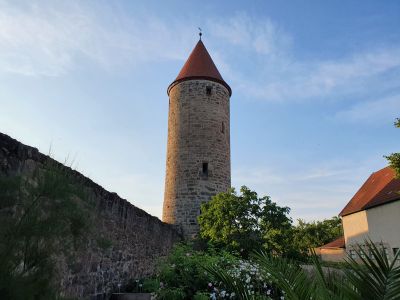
[41,217]
[245,222]
[316,233]
[394,158]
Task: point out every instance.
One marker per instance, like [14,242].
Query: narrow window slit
[205,170]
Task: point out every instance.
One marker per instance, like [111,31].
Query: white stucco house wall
[372,214]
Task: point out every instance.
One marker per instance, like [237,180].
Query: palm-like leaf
[287,275]
[375,277]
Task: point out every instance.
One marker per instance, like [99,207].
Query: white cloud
[359,74]
[259,35]
[274,74]
[50,39]
[55,38]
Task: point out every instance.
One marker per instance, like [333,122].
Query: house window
[223,127]
[208,90]
[205,169]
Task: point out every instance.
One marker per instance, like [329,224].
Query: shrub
[183,269]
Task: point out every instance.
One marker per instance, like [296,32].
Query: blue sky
[316,88]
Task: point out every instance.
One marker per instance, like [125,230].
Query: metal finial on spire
[200,33]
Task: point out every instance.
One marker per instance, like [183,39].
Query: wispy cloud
[274,73]
[50,39]
[260,35]
[359,74]
[55,38]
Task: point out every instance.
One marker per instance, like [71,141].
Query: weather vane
[200,33]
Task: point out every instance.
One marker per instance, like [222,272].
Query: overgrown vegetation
[374,278]
[255,252]
[182,272]
[232,226]
[41,217]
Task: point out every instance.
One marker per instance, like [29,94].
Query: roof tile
[380,188]
[199,66]
[338,243]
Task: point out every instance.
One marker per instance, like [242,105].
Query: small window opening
[205,169]
[223,127]
[208,90]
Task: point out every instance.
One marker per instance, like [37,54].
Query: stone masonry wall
[198,133]
[137,238]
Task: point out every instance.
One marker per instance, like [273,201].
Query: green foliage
[397,123]
[376,277]
[394,158]
[315,234]
[151,285]
[242,223]
[201,296]
[103,243]
[394,162]
[40,217]
[183,270]
[372,279]
[171,294]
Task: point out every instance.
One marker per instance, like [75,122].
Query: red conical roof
[199,66]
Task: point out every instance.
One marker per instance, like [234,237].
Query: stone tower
[198,150]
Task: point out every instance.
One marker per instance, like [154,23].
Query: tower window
[205,170]
[208,90]
[223,127]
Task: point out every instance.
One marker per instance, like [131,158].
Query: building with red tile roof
[373,213]
[380,188]
[333,251]
[338,243]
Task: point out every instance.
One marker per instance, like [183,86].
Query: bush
[41,217]
[171,294]
[183,269]
[201,296]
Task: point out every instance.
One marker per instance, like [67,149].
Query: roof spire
[199,65]
[200,33]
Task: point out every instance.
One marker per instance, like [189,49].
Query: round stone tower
[198,150]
